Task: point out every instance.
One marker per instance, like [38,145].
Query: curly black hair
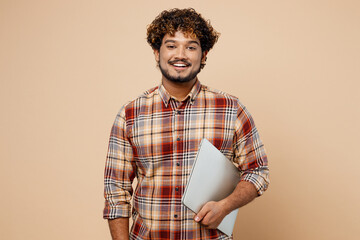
[187,21]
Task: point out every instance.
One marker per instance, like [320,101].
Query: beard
[179,79]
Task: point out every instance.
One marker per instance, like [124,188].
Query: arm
[119,174]
[212,213]
[119,228]
[252,163]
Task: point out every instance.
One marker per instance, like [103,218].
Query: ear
[203,58]
[157,55]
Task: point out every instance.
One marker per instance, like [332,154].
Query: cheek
[164,57]
[197,60]
[163,61]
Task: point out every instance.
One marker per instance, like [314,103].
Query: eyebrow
[173,41]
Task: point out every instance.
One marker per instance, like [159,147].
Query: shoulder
[219,95]
[131,107]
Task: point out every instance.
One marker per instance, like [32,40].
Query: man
[155,138]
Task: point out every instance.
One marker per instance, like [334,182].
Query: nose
[181,53]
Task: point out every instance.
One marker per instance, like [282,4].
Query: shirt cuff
[259,177]
[116,211]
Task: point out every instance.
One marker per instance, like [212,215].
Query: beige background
[66,67]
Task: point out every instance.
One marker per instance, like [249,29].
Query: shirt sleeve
[119,171]
[250,152]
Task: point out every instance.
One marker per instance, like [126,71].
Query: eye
[170,46]
[192,48]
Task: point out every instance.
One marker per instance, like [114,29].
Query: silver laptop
[213,177]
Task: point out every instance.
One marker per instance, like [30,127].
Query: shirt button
[178,139]
[178,164]
[176,189]
[178,112]
[175,216]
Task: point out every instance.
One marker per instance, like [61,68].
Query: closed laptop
[213,178]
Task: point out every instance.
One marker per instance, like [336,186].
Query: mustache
[182,61]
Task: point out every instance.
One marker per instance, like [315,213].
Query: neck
[178,90]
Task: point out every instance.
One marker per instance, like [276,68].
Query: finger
[206,220]
[202,213]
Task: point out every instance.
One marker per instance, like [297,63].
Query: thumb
[201,214]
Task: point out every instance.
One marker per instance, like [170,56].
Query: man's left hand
[211,214]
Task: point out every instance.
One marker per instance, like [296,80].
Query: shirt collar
[165,95]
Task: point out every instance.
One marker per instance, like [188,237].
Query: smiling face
[179,58]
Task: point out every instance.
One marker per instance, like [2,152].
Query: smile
[180,65]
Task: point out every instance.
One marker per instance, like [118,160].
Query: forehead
[180,37]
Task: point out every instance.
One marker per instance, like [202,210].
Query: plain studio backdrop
[66,67]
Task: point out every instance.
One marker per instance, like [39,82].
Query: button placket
[176,138]
[178,127]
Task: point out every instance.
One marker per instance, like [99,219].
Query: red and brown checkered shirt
[156,138]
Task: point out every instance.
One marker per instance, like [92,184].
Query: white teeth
[179,65]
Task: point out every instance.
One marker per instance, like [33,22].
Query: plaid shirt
[156,138]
